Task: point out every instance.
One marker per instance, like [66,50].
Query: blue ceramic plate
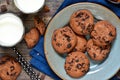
[98,71]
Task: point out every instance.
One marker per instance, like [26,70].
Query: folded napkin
[38,58]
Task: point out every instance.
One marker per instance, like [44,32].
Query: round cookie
[97,53]
[64,40]
[76,64]
[82,22]
[9,68]
[81,44]
[103,33]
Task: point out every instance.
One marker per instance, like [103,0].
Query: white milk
[11,30]
[29,6]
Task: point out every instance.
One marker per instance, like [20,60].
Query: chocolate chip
[3,8]
[7,73]
[65,66]
[87,16]
[84,71]
[70,31]
[104,54]
[64,30]
[7,59]
[103,57]
[79,15]
[80,24]
[55,35]
[38,19]
[101,48]
[2,62]
[107,42]
[54,38]
[97,48]
[85,45]
[72,60]
[12,68]
[103,38]
[83,64]
[61,32]
[76,20]
[15,60]
[94,55]
[77,60]
[110,34]
[69,45]
[82,31]
[79,66]
[58,44]
[83,19]
[68,37]
[89,28]
[68,68]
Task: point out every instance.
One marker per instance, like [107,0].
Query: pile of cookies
[71,40]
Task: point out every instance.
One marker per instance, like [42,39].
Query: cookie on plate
[82,22]
[64,40]
[81,44]
[9,68]
[76,64]
[103,33]
[97,53]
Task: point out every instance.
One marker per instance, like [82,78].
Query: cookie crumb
[46,9]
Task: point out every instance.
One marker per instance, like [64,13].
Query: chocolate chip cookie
[76,64]
[81,44]
[64,40]
[9,68]
[97,53]
[32,37]
[82,22]
[103,33]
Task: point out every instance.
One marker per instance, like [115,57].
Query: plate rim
[79,3]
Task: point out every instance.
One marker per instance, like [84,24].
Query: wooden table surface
[28,23]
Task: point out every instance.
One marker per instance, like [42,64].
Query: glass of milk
[11,30]
[29,6]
